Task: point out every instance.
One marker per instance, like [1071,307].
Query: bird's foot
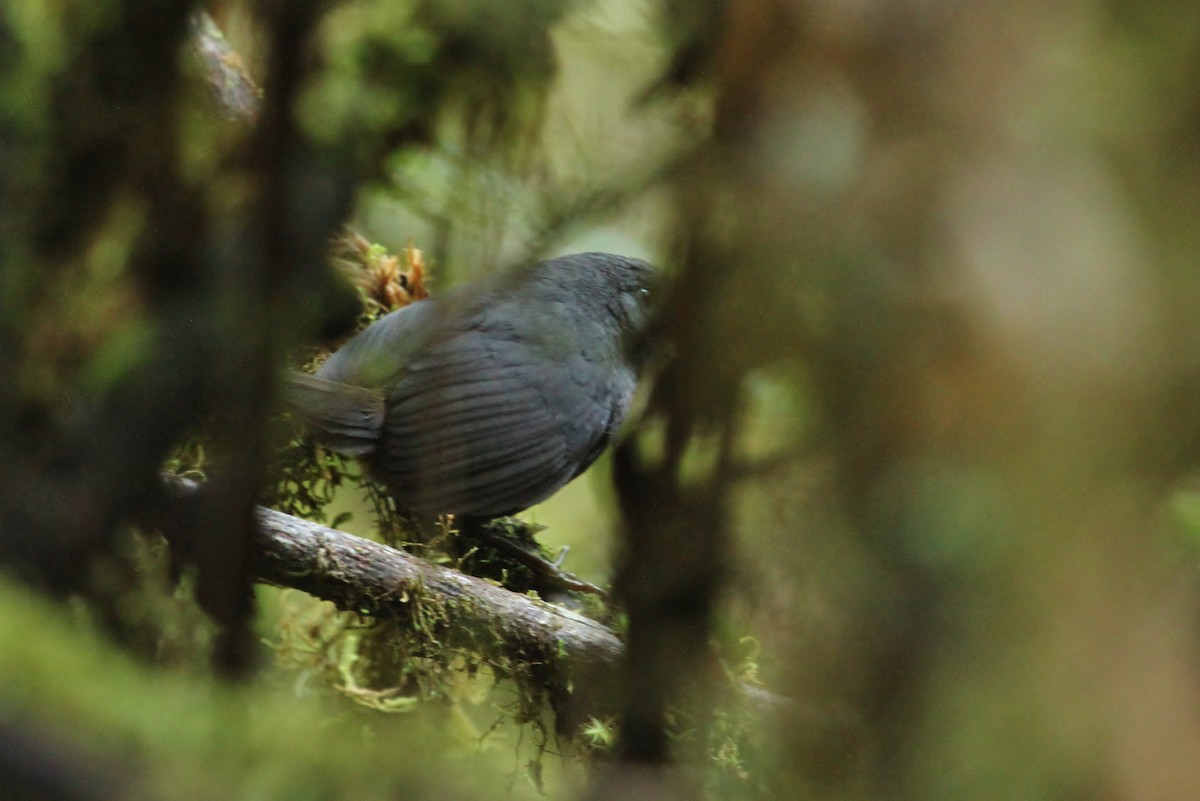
[513,541]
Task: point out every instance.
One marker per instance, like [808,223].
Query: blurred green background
[920,457]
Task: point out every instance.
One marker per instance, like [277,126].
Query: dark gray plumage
[487,399]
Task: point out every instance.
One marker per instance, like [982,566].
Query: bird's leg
[511,539]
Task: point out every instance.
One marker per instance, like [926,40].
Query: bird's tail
[345,418]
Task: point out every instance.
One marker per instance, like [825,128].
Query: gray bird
[487,399]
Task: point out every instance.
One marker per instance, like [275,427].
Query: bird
[488,398]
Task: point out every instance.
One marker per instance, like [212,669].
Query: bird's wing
[484,425]
[379,353]
[347,419]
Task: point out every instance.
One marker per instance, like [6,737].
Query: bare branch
[235,92]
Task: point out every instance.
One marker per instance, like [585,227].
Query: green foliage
[600,735]
[931,404]
[195,738]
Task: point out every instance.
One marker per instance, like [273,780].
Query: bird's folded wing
[470,431]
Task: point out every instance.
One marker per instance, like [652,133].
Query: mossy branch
[577,657]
